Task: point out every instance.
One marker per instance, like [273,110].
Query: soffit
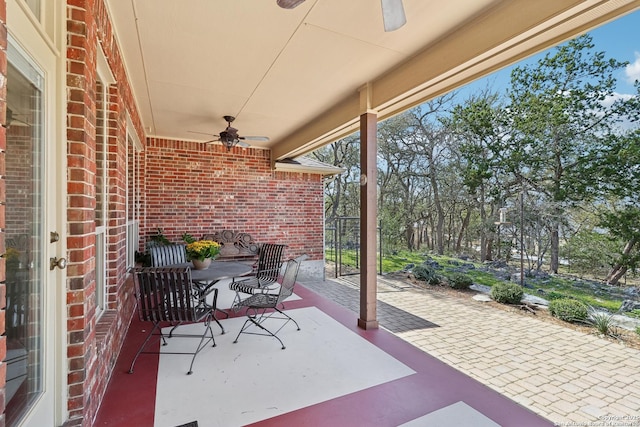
[303,76]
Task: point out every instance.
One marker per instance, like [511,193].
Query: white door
[34,197]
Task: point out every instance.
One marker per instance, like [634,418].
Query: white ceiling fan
[392,12]
[230,138]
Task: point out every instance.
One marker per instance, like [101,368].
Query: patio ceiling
[297,76]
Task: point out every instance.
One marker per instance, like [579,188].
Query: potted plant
[201,252]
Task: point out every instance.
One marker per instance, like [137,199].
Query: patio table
[204,280]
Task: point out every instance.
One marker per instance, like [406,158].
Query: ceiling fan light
[393,14]
[289,4]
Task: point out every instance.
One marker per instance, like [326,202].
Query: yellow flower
[202,249]
[12,254]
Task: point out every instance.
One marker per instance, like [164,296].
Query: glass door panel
[24,237]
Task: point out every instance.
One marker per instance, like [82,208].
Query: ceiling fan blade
[289,4]
[201,133]
[254,138]
[243,144]
[393,14]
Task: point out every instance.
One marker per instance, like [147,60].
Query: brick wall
[93,344]
[199,188]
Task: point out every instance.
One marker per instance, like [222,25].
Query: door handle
[54,262]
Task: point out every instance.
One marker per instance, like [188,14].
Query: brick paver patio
[567,376]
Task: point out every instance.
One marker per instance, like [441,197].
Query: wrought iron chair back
[167,295]
[289,279]
[263,306]
[269,262]
[167,254]
[267,271]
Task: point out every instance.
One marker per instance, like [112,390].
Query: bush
[569,310]
[603,322]
[638,330]
[424,273]
[553,295]
[460,281]
[507,293]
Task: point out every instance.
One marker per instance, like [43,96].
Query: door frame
[46,53]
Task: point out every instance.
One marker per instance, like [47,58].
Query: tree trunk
[483,230]
[463,228]
[619,269]
[410,235]
[555,248]
[489,250]
[439,231]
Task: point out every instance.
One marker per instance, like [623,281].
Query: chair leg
[173,329]
[156,325]
[252,321]
[214,309]
[288,317]
[257,319]
[203,342]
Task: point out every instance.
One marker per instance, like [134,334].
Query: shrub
[424,273]
[602,321]
[553,295]
[638,330]
[507,293]
[460,281]
[569,310]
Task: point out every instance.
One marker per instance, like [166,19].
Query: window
[134,147]
[103,80]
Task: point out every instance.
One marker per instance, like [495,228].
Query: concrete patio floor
[331,373]
[563,375]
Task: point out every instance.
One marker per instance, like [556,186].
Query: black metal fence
[342,246]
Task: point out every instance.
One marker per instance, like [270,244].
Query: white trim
[106,79]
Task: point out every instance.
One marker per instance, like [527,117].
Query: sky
[619,39]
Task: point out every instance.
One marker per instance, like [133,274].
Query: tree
[480,129]
[617,175]
[339,192]
[559,119]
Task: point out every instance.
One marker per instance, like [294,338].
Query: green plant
[159,238]
[569,310]
[507,293]
[460,281]
[553,295]
[638,330]
[188,238]
[602,321]
[424,273]
[201,249]
[143,258]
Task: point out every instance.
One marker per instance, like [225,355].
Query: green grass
[398,261]
[559,286]
[390,263]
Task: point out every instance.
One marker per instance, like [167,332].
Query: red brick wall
[93,344]
[199,188]
[81,146]
[3,146]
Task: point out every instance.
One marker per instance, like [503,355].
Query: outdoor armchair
[167,254]
[263,314]
[266,272]
[166,295]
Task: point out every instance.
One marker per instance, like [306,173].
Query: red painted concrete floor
[331,374]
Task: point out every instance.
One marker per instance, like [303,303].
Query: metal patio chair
[262,307]
[166,294]
[266,274]
[162,255]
